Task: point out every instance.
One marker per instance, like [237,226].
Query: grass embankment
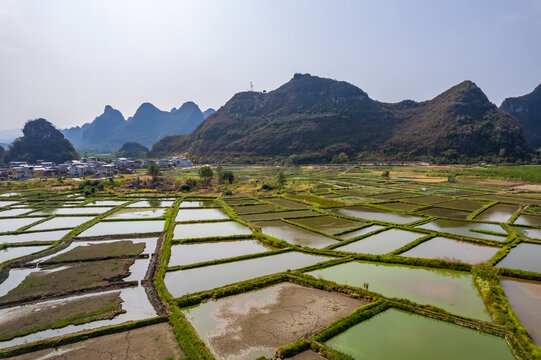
[53,316]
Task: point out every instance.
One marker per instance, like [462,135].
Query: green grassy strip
[185,334]
[517,214]
[486,280]
[349,241]
[329,353]
[356,317]
[211,238]
[477,212]
[412,244]
[229,290]
[81,336]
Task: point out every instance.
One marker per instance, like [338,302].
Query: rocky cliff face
[527,110]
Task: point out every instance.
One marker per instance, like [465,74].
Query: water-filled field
[328,258]
[411,336]
[451,290]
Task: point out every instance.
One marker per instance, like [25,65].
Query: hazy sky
[66,59]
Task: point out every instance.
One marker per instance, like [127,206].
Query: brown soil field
[150,342]
[99,251]
[36,317]
[258,322]
[58,280]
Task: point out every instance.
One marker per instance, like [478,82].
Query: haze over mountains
[313,119]
[110,130]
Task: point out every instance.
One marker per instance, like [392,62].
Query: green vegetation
[75,312]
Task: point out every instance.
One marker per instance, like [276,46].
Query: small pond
[452,250]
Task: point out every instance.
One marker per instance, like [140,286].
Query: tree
[228,176]
[154,171]
[206,173]
[280,178]
[340,158]
[385,174]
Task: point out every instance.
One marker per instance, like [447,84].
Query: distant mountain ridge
[527,110]
[110,130]
[314,119]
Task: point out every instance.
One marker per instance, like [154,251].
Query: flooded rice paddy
[134,213]
[525,299]
[124,227]
[450,290]
[466,228]
[7,225]
[72,211]
[197,203]
[528,220]
[61,222]
[255,323]
[445,213]
[497,213]
[410,337]
[524,256]
[33,236]
[295,235]
[452,250]
[381,243]
[183,282]
[360,232]
[208,230]
[280,215]
[185,254]
[201,215]
[16,252]
[369,213]
[327,224]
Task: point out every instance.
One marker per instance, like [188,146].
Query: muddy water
[529,220]
[197,203]
[328,224]
[290,204]
[450,290]
[462,204]
[411,337]
[452,250]
[381,243]
[525,299]
[201,214]
[72,211]
[134,213]
[531,233]
[363,231]
[62,222]
[195,253]
[15,252]
[294,234]
[184,282]
[124,227]
[400,206]
[152,203]
[497,213]
[523,257]
[464,228]
[14,224]
[280,215]
[368,213]
[13,212]
[446,213]
[255,323]
[202,230]
[34,236]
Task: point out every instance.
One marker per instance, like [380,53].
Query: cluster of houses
[90,166]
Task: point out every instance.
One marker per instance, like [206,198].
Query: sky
[65,60]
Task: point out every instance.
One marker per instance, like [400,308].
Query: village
[85,167]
